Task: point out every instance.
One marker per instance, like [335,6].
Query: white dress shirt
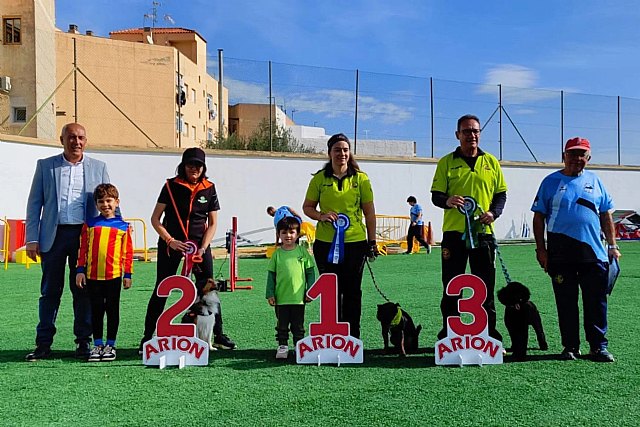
[71,209]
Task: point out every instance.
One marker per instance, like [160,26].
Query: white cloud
[243,92]
[330,103]
[518,84]
[511,75]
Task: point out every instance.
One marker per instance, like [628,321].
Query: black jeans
[166,266]
[349,279]
[416,231]
[290,317]
[482,262]
[105,298]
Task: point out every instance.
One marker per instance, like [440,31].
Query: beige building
[244,119]
[27,65]
[141,87]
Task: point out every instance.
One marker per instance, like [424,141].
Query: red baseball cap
[577,143]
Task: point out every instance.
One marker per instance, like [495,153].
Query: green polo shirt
[454,177]
[344,196]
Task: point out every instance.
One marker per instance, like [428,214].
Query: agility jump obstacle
[232,237]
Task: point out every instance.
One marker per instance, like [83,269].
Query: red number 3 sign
[468,343]
[471,305]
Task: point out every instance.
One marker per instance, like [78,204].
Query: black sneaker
[570,354]
[96,354]
[39,353]
[601,355]
[108,354]
[222,341]
[83,350]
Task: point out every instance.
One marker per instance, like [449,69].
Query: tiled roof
[157,30]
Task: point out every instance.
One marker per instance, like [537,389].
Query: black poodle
[398,326]
[519,313]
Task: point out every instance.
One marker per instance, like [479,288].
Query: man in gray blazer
[60,200]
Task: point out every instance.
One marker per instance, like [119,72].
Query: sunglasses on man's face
[469,132]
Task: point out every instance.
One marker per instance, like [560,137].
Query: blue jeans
[591,278]
[65,247]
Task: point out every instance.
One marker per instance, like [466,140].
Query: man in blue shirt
[416,228]
[575,208]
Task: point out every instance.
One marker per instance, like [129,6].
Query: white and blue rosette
[336,252]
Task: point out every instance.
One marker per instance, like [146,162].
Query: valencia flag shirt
[106,249]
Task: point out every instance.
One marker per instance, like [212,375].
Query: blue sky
[580,46]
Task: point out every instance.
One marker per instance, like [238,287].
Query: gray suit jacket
[44,197]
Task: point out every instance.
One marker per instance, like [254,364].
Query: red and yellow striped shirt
[106,249]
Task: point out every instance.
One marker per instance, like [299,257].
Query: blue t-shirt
[572,206]
[282,212]
[415,212]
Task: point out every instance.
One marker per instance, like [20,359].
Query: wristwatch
[613,247]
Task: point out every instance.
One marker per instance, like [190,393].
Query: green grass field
[248,387]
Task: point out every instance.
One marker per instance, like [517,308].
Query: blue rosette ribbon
[336,252]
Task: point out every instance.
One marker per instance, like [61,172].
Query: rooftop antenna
[153,16]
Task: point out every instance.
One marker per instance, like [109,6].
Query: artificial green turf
[248,387]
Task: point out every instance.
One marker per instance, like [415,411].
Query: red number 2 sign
[164,326]
[471,305]
[327,287]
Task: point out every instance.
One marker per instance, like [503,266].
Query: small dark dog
[397,323]
[519,313]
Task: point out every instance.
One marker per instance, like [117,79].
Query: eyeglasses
[469,132]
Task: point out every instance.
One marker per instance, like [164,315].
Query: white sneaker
[282,352]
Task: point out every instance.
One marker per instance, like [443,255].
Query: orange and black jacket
[193,203]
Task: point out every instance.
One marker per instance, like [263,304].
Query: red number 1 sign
[175,344]
[329,340]
[468,343]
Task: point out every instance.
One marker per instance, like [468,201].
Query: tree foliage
[281,140]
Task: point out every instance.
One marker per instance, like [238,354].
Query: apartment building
[141,87]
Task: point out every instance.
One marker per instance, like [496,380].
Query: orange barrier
[393,229]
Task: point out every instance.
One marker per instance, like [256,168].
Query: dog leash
[375,283]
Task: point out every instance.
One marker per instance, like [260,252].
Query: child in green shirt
[290,274]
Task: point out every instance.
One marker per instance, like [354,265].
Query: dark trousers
[166,266]
[105,298]
[416,231]
[64,251]
[349,274]
[454,254]
[592,278]
[290,317]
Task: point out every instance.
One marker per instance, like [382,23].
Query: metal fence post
[500,118]
[270,113]
[355,121]
[619,141]
[431,112]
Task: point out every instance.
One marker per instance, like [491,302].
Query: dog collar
[397,318]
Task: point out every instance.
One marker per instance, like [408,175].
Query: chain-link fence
[519,124]
[152,103]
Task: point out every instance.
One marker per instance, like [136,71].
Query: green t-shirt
[291,269]
[345,196]
[454,177]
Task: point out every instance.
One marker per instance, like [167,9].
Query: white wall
[248,184]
